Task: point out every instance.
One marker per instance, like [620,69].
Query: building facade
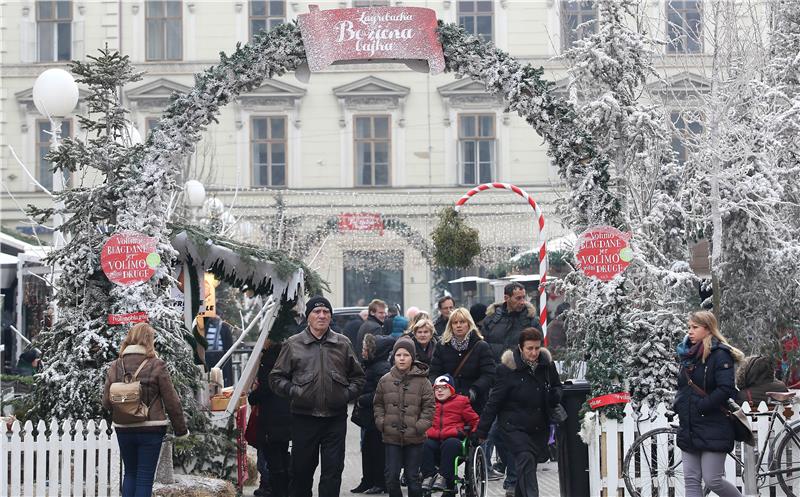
[356,140]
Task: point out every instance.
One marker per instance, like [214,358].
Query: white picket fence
[69,458]
[611,439]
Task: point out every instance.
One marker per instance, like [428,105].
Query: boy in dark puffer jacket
[453,413]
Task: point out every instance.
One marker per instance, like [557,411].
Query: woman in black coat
[423,334]
[527,384]
[375,352]
[464,355]
[705,383]
[274,428]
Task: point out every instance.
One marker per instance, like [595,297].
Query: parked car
[343,315]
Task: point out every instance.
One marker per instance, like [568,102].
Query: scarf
[688,353]
[460,345]
[530,364]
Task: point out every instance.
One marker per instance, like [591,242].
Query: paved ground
[548,473]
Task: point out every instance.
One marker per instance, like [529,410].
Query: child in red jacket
[453,413]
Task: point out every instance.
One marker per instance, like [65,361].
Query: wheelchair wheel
[476,474]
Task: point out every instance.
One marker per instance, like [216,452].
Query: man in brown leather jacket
[318,371]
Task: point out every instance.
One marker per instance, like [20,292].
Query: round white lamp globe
[195,193]
[55,93]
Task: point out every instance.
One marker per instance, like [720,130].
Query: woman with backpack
[705,384]
[139,393]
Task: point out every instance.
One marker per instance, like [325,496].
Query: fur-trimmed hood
[511,358]
[500,307]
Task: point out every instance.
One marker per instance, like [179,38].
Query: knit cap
[406,343]
[445,379]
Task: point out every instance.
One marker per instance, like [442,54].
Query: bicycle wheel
[787,460]
[653,464]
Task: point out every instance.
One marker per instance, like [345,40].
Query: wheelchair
[472,480]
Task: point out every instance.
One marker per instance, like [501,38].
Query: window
[150,124]
[268,142]
[476,16]
[372,144]
[684,24]
[686,128]
[373,274]
[573,16]
[54,30]
[370,3]
[164,29]
[476,144]
[265,15]
[43,136]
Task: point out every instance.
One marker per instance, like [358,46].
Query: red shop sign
[603,252]
[361,221]
[133,317]
[129,258]
[379,33]
[609,399]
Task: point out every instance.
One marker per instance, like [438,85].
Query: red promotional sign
[609,399]
[129,258]
[361,221]
[603,252]
[380,33]
[134,317]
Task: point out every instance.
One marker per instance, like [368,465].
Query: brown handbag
[741,425]
[126,398]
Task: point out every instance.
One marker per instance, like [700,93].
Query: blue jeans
[139,451]
[409,459]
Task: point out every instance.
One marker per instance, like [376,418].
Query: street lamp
[194,196]
[55,95]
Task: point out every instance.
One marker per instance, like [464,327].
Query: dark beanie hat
[478,312]
[406,343]
[317,301]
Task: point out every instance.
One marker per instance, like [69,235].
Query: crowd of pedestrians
[418,385]
[417,393]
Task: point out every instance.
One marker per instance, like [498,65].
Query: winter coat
[351,329]
[375,367]
[274,416]
[370,326]
[520,398]
[501,328]
[404,405]
[450,418]
[754,378]
[477,373]
[703,425]
[425,354]
[439,325]
[157,391]
[319,377]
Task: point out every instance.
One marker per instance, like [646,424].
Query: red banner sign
[379,33]
[361,221]
[603,252]
[609,399]
[241,447]
[134,317]
[129,258]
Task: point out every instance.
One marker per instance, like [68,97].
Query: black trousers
[373,459]
[277,452]
[313,440]
[408,458]
[441,453]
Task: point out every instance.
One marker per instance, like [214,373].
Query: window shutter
[78,36]
[27,40]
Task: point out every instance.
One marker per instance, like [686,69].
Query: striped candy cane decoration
[541,240]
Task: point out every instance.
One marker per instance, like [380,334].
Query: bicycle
[652,465]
